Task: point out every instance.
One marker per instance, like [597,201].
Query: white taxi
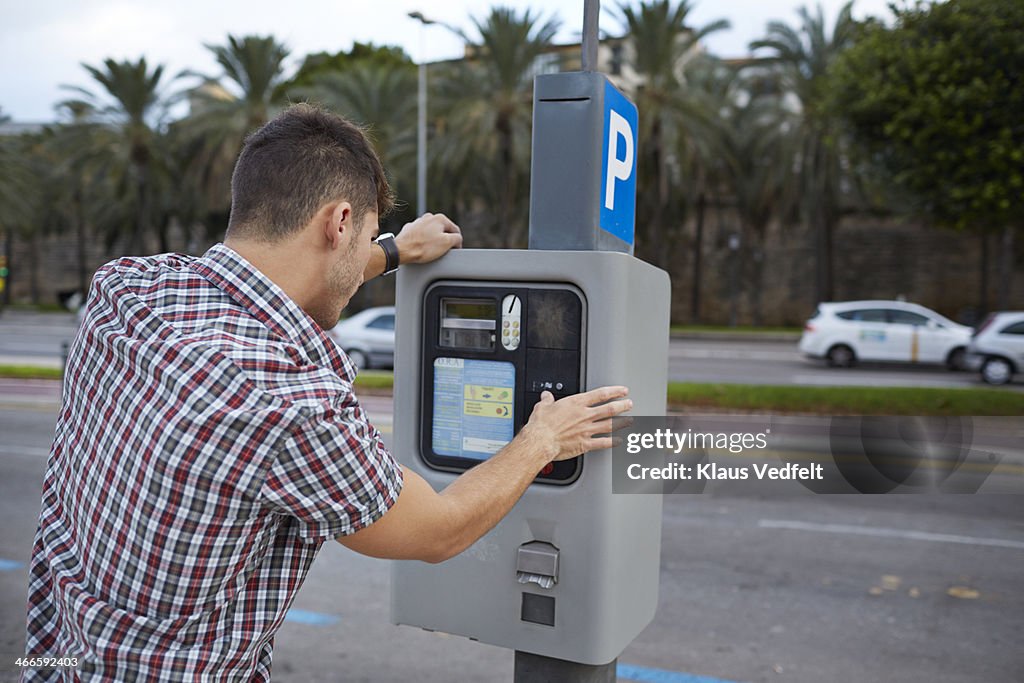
[846,332]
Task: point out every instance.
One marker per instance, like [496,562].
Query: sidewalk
[739,335]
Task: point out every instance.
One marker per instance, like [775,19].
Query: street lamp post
[421,121]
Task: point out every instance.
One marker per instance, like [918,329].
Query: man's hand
[567,427]
[425,525]
[427,238]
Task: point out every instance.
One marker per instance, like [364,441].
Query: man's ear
[336,219]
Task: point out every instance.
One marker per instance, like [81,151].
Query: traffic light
[3,272]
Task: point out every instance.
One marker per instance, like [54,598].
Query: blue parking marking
[301,616]
[642,674]
[9,565]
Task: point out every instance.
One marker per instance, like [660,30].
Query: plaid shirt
[208,444]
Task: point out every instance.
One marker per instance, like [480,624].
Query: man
[210,440]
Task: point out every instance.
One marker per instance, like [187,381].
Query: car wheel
[841,356]
[957,359]
[997,371]
[359,359]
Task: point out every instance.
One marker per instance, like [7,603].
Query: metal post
[421,119]
[591,12]
[734,288]
[421,140]
[531,668]
[538,669]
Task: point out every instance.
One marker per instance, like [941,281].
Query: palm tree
[226,108]
[375,94]
[16,186]
[674,121]
[803,57]
[485,114]
[759,156]
[19,192]
[123,143]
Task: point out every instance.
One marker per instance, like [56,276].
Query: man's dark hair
[296,163]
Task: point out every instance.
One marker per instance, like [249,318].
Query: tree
[803,58]
[376,95]
[19,197]
[319,64]
[935,102]
[123,143]
[226,108]
[678,112]
[484,116]
[759,153]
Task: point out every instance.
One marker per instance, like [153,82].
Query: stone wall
[873,258]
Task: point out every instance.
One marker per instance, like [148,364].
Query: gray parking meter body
[572,570]
[571,573]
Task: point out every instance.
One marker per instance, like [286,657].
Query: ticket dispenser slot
[489,351]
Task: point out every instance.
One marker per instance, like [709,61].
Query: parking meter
[572,571]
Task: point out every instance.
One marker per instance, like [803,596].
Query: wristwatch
[387,243]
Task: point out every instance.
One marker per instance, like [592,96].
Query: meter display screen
[468,324]
[473,407]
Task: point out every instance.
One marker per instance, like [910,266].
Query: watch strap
[387,243]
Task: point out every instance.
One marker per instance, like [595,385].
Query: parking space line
[881,532]
[643,674]
[301,616]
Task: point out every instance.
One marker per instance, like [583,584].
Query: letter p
[618,169]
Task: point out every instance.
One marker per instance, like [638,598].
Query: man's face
[347,273]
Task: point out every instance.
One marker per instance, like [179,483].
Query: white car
[368,337]
[897,331]
[997,348]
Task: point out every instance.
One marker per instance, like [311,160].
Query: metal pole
[531,668]
[591,12]
[421,140]
[538,669]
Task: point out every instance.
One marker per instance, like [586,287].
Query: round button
[515,324]
[548,469]
[505,324]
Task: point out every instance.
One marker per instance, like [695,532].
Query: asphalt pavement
[809,589]
[731,358]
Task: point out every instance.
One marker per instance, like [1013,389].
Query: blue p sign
[618,177]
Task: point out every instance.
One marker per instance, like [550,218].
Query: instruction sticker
[473,407]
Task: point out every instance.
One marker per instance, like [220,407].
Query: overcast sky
[43,43]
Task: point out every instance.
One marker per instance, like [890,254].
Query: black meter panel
[489,350]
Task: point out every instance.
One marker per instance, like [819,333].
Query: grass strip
[29,372]
[846,400]
[375,380]
[739,329]
[757,398]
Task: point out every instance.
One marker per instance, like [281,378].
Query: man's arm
[431,526]
[426,239]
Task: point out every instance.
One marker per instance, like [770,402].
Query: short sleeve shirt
[209,442]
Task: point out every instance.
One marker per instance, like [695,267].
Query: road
[36,339]
[810,589]
[732,361]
